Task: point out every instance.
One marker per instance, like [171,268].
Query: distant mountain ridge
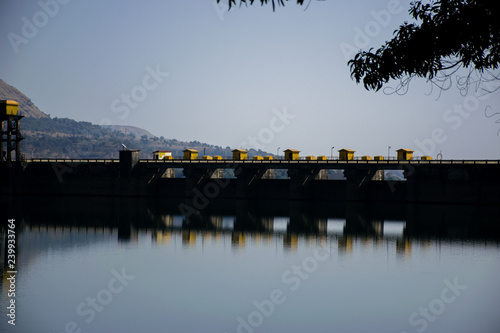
[47,137]
[26,107]
[137,131]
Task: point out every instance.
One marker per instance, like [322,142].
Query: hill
[67,138]
[138,132]
[26,106]
[47,137]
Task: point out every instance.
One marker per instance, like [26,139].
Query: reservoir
[152,265]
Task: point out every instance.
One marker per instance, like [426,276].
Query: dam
[426,181]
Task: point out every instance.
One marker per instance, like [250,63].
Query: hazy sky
[191,70]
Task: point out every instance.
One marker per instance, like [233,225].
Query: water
[115,265]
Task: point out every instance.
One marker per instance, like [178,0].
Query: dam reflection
[231,253]
[287,224]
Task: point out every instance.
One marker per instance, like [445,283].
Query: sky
[248,77]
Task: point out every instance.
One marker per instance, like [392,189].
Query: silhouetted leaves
[449,34]
[262,2]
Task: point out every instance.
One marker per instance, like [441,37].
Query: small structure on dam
[190,154]
[405,154]
[240,154]
[346,154]
[10,131]
[162,155]
[291,154]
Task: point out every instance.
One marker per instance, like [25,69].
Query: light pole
[278,152]
[388,152]
[332,152]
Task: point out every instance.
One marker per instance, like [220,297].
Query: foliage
[448,35]
[62,126]
[67,138]
[262,2]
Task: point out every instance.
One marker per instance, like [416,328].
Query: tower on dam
[10,131]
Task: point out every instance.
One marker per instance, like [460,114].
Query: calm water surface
[109,265]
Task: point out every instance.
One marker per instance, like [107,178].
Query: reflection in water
[403,247]
[345,244]
[235,246]
[391,228]
[346,223]
[276,224]
[290,241]
[188,238]
[161,237]
[127,234]
[238,240]
[388,234]
[335,226]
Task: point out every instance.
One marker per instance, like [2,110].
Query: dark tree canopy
[448,35]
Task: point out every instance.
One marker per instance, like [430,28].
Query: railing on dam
[270,162]
[71,160]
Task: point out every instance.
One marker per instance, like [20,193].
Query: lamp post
[278,152]
[388,152]
[332,152]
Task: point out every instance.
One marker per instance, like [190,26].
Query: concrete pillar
[128,161]
[9,140]
[425,184]
[248,179]
[202,180]
[411,184]
[19,138]
[300,181]
[3,152]
[445,184]
[356,182]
